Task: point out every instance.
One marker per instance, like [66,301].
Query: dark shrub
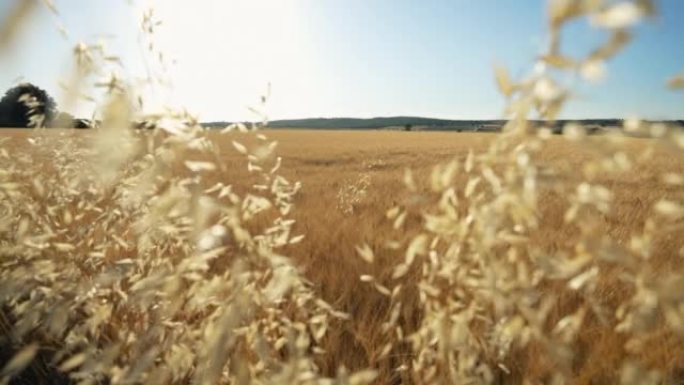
[26,105]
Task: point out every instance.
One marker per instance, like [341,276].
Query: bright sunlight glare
[229,59]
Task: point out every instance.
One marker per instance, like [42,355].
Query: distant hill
[415,123]
[370,123]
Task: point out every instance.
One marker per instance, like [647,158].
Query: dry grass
[184,256]
[325,162]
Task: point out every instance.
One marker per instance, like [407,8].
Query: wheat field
[335,221]
[349,182]
[243,255]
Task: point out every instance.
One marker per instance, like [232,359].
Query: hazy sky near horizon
[357,58]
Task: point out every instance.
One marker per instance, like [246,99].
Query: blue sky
[358,58]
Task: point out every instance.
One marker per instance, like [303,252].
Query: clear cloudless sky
[355,58]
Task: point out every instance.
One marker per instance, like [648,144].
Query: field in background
[351,179]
